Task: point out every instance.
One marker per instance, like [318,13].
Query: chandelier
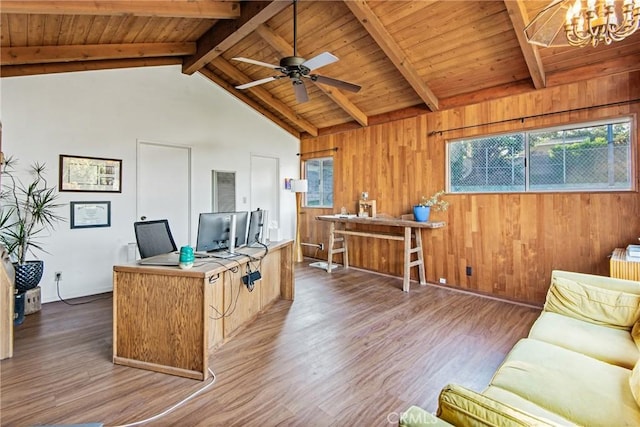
[563,23]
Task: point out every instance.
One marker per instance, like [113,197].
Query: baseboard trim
[446,287]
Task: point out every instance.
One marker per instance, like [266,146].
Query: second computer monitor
[215,229]
[256,231]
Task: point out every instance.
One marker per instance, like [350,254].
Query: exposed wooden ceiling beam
[378,32]
[264,95]
[621,64]
[225,34]
[70,53]
[250,102]
[519,18]
[285,49]
[201,9]
[66,67]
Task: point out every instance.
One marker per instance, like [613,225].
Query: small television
[220,231]
[256,233]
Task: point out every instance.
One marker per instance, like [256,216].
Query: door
[164,187]
[265,173]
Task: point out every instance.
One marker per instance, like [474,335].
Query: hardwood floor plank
[351,349]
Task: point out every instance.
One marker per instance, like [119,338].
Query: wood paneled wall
[511,241]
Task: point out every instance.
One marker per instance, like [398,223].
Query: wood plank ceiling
[408,56]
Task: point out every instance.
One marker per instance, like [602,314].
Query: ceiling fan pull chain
[295,27]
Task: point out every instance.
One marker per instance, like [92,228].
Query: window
[319,175]
[592,156]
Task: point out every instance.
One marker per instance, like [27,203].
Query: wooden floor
[352,349]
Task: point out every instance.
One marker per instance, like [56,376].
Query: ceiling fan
[297,68]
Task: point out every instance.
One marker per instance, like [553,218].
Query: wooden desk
[409,229]
[166,319]
[622,268]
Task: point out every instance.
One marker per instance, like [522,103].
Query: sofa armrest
[596,299]
[418,417]
[463,407]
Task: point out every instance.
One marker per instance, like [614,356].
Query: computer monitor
[216,229]
[256,231]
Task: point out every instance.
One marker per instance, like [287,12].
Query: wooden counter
[167,319]
[408,230]
[7,301]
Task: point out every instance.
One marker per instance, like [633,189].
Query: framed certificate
[90,214]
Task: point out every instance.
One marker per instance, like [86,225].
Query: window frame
[322,195]
[633,178]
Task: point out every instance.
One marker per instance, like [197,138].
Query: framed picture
[90,174]
[90,214]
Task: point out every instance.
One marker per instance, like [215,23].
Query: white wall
[104,114]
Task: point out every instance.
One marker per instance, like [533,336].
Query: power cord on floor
[76,303]
[177,405]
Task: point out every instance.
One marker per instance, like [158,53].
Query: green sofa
[578,366]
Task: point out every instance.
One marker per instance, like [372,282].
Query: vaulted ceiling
[408,56]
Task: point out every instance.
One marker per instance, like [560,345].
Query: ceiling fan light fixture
[295,68]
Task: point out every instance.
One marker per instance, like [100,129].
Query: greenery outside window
[319,175]
[587,157]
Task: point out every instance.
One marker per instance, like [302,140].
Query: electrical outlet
[58,275]
[469,271]
[443,281]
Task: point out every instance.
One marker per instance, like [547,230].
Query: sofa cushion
[577,299]
[415,416]
[611,345]
[577,387]
[463,407]
[515,401]
[634,383]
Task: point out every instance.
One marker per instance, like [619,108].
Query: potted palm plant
[422,210]
[26,211]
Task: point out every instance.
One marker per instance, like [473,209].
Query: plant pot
[421,213]
[28,275]
[18,308]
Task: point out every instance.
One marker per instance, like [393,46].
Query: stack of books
[633,253]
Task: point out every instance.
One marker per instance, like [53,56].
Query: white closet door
[265,172]
[164,187]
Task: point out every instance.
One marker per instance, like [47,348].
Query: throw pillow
[593,304]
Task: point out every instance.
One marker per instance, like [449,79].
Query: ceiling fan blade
[256,83]
[301,91]
[325,58]
[335,82]
[254,62]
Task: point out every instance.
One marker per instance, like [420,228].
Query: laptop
[172,259]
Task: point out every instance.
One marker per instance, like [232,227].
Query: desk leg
[332,228]
[420,254]
[345,246]
[407,259]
